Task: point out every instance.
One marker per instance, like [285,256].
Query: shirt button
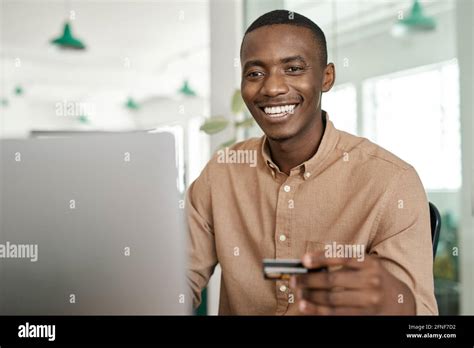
[283,288]
[282,237]
[287,188]
[307,175]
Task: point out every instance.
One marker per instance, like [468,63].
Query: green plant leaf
[238,104]
[214,125]
[247,123]
[228,143]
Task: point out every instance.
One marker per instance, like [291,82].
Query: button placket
[283,237]
[283,219]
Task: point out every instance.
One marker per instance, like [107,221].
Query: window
[415,115]
[341,105]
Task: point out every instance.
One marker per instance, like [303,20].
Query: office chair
[435,218]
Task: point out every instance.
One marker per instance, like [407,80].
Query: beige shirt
[351,192]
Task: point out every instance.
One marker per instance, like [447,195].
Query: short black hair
[291,18]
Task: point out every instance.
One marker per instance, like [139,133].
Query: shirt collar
[315,164]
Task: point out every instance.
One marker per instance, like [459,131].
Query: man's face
[282,79]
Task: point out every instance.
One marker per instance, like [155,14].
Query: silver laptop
[91,225]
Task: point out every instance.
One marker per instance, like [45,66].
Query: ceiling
[353,19]
[149,46]
[130,44]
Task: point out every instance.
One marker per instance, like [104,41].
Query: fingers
[346,279]
[308,308]
[354,289]
[319,259]
[351,298]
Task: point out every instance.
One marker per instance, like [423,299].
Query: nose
[274,85]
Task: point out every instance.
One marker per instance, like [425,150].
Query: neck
[290,153]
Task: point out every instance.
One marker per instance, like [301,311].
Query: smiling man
[316,194]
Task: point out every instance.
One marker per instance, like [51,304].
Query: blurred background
[404,68]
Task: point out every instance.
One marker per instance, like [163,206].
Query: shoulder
[370,155]
[370,165]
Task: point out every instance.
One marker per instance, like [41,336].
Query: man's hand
[357,288]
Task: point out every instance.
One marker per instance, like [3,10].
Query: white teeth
[277,110]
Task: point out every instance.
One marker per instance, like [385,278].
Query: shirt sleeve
[402,238]
[202,257]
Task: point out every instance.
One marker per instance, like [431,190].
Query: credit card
[285,268]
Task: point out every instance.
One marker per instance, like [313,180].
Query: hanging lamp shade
[67,40]
[83,119]
[131,104]
[186,90]
[18,90]
[415,22]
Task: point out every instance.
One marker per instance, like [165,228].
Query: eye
[293,69]
[254,74]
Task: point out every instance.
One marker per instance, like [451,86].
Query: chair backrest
[435,218]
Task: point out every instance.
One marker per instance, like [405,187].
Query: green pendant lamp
[186,90]
[83,119]
[18,90]
[415,22]
[67,39]
[132,104]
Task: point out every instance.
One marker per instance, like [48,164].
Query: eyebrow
[293,58]
[285,60]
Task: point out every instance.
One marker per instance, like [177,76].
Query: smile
[279,111]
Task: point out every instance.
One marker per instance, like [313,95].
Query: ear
[329,76]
